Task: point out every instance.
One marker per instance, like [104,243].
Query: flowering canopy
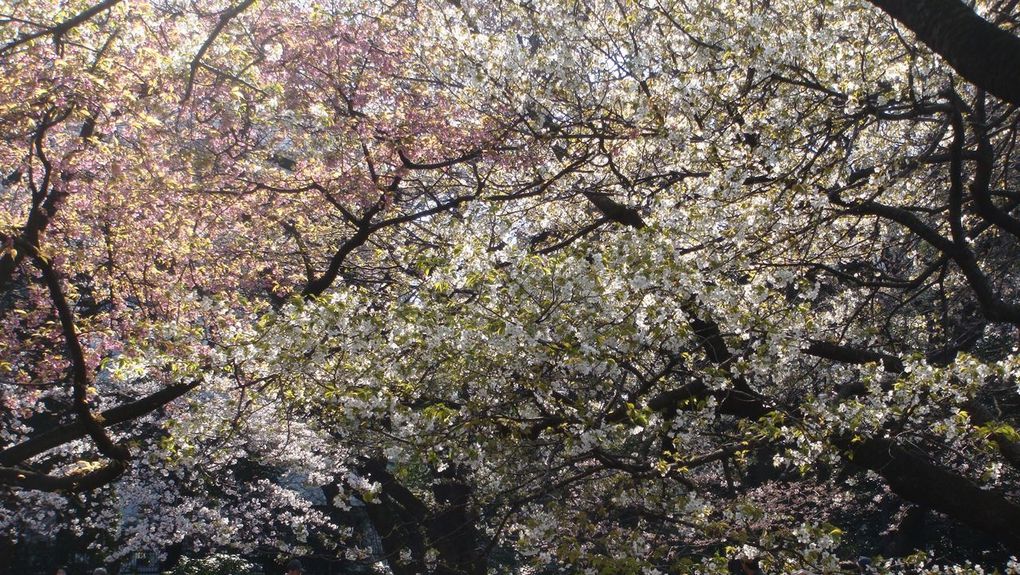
[612,286]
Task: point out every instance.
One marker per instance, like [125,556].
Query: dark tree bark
[908,534]
[981,52]
[453,528]
[398,518]
[912,476]
[404,522]
[615,211]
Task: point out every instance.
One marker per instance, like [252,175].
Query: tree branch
[79,369]
[225,19]
[73,483]
[76,430]
[981,52]
[62,28]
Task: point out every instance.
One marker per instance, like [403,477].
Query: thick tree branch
[980,186]
[319,285]
[981,52]
[45,201]
[957,248]
[76,430]
[615,211]
[412,165]
[853,355]
[72,483]
[364,229]
[912,475]
[900,216]
[79,369]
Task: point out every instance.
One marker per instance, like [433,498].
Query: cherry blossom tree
[604,286]
[174,175]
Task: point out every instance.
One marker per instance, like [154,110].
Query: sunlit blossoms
[469,287]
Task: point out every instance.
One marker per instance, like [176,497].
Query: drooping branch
[898,215]
[957,248]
